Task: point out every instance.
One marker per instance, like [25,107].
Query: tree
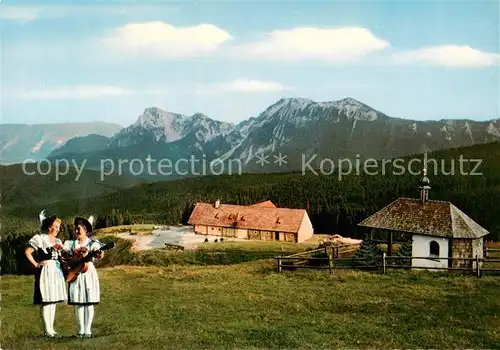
[404,251]
[368,254]
[100,222]
[108,220]
[127,218]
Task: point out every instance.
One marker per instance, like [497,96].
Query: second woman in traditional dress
[84,292]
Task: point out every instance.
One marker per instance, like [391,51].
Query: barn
[260,221]
[437,229]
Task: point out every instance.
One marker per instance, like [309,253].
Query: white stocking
[89,317]
[52,316]
[80,318]
[47,317]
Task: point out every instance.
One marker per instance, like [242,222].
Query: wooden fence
[491,252]
[304,259]
[333,261]
[477,268]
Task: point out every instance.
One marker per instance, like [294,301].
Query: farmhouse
[437,228]
[260,221]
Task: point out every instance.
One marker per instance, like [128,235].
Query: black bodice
[48,254]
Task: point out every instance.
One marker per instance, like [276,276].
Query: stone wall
[461,248]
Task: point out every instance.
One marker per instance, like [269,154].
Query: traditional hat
[85,222]
[45,221]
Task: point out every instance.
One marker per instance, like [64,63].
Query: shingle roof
[435,218]
[247,217]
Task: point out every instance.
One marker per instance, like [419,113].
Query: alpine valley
[298,128]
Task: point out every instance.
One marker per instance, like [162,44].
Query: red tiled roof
[267,204]
[247,217]
[435,218]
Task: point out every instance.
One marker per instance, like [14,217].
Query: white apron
[50,286]
[85,289]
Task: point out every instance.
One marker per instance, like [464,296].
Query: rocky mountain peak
[350,101]
[154,117]
[290,103]
[353,109]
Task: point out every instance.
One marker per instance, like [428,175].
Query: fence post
[383,262]
[329,253]
[279,263]
[478,270]
[330,260]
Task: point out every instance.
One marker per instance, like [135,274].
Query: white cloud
[165,40]
[82,92]
[18,13]
[241,85]
[332,45]
[448,55]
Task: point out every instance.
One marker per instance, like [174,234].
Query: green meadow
[251,306]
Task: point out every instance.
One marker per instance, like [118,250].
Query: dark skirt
[37,295]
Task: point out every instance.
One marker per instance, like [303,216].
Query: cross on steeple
[424,188]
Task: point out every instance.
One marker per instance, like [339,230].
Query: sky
[108,61]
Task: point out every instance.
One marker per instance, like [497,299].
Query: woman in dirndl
[50,286]
[84,292]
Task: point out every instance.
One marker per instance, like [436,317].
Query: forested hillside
[334,205]
[31,184]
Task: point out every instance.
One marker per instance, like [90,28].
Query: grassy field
[137,229]
[207,254]
[249,305]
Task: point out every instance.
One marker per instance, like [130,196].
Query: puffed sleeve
[36,242]
[67,246]
[95,245]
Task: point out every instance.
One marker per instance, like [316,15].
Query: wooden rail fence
[487,252]
[332,252]
[333,261]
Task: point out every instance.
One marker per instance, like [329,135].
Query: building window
[434,249]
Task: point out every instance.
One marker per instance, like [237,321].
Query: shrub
[13,259]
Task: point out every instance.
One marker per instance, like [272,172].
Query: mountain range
[281,138]
[20,142]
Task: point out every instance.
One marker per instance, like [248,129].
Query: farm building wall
[241,233]
[248,234]
[421,247]
[211,230]
[306,230]
[272,236]
[200,229]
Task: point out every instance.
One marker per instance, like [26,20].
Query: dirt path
[181,235]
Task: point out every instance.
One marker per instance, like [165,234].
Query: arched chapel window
[434,248]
